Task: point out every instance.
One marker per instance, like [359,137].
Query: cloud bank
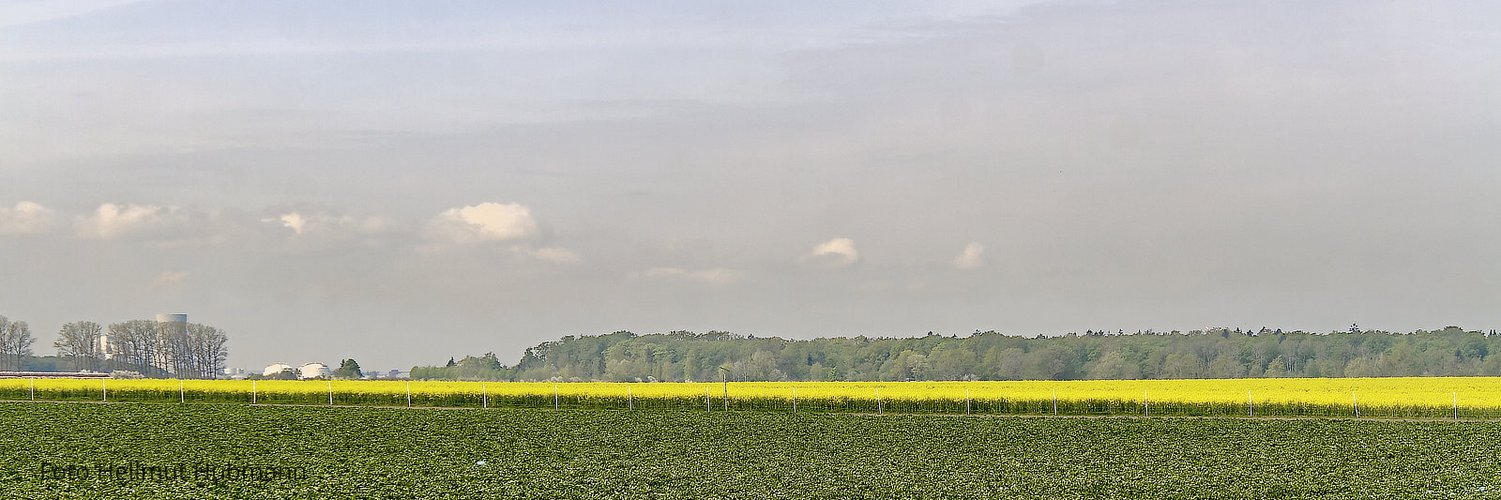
[25,218]
[111,221]
[485,222]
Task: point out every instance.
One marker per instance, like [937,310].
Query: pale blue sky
[404,181]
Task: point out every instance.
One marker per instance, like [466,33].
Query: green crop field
[64,449]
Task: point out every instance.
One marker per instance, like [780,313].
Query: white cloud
[555,255]
[301,223]
[972,257]
[25,218]
[294,221]
[111,221]
[492,222]
[838,252]
[484,222]
[714,276]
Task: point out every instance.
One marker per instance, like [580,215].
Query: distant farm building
[276,369]
[313,370]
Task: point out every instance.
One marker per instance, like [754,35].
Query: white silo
[313,370]
[105,349]
[172,328]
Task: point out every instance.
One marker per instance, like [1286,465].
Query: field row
[1465,397]
[111,451]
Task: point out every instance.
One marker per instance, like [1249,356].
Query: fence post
[33,389]
[629,400]
[484,396]
[879,407]
[252,392]
[555,396]
[1356,402]
[706,400]
[409,394]
[1456,406]
[1250,403]
[794,400]
[966,401]
[104,389]
[1055,401]
[182,396]
[1146,408]
[330,392]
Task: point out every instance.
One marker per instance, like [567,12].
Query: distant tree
[79,341]
[213,350]
[161,349]
[15,343]
[348,368]
[1473,348]
[677,356]
[135,344]
[1277,367]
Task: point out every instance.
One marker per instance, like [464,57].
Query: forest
[1207,353]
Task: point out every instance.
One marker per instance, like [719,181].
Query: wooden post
[723,378]
[484,396]
[1355,401]
[33,388]
[879,408]
[104,389]
[182,396]
[555,396]
[1146,409]
[966,402]
[252,392]
[1250,403]
[1456,406]
[794,400]
[706,400]
[409,394]
[1055,401]
[330,392]
[629,400]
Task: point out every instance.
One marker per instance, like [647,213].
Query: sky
[400,182]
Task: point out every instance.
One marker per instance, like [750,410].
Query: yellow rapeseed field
[1103,396]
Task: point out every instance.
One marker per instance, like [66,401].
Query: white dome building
[314,370]
[276,369]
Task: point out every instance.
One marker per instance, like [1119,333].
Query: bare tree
[217,347]
[79,340]
[172,349]
[184,351]
[206,350]
[15,343]
[135,343]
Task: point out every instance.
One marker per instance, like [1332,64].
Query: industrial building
[313,370]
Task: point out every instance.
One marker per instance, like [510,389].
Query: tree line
[1207,353]
[154,349]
